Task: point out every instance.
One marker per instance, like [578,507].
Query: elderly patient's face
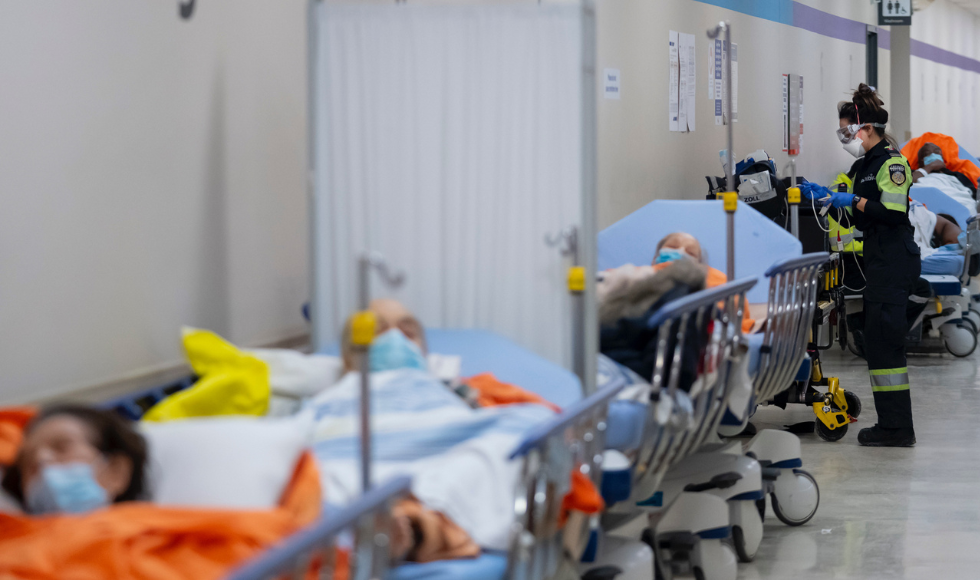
[393,314]
[686,242]
[927,150]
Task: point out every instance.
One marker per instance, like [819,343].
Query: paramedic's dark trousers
[893,268]
[885,327]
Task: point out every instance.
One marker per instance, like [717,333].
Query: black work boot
[879,437]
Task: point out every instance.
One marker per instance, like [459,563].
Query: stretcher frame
[718,312]
[793,286]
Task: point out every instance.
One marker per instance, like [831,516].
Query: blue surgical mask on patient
[928,159]
[65,488]
[669,255]
[393,350]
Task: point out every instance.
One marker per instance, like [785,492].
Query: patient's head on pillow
[931,158]
[676,246]
[399,342]
[75,459]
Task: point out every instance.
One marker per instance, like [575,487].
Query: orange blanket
[143,541]
[951,154]
[583,495]
[714,278]
[493,392]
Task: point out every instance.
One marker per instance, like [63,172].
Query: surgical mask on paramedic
[670,255]
[393,350]
[932,158]
[65,488]
[855,147]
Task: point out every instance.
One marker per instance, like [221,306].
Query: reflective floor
[888,513]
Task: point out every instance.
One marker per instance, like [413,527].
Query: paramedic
[74,459]
[879,203]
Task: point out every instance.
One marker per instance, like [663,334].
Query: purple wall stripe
[801,16]
[828,24]
[936,54]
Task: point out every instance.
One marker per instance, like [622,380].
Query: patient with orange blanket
[78,473]
[681,245]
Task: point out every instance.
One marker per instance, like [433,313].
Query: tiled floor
[888,513]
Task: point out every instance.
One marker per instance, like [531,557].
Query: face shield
[847,134]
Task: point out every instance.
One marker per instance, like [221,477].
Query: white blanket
[924,222]
[457,456]
[951,187]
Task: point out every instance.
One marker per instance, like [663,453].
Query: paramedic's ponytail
[866,106]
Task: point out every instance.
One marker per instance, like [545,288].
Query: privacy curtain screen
[450,140]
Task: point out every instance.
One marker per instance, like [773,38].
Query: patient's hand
[935,166]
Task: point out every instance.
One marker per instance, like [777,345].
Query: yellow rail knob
[362,326]
[793,195]
[576,279]
[731,201]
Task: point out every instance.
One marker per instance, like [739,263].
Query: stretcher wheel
[974,317]
[960,341]
[969,323]
[803,498]
[853,404]
[828,434]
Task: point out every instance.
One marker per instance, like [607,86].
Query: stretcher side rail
[793,286]
[369,518]
[574,440]
[670,433]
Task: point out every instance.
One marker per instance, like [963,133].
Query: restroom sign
[610,83]
[894,12]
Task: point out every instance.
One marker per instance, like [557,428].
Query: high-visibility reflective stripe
[884,380]
[893,201]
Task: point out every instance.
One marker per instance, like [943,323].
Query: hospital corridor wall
[152,175]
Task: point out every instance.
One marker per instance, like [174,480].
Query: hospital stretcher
[951,319]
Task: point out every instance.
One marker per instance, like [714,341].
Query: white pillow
[294,374]
[224,462]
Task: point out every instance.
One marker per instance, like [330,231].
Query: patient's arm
[946,230]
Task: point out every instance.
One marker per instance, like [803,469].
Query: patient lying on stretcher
[678,267]
[77,470]
[933,172]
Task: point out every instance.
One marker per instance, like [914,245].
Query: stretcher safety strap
[885,380]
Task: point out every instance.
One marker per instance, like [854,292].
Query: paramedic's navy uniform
[891,265]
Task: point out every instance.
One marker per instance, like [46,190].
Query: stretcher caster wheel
[796,497]
[714,560]
[973,317]
[960,341]
[746,529]
[828,434]
[853,404]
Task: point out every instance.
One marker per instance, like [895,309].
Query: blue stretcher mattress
[943,263]
[759,242]
[938,202]
[489,566]
[483,351]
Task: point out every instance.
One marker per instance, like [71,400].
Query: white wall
[151,176]
[641,160]
[946,99]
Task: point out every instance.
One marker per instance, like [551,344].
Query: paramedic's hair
[866,107]
[112,435]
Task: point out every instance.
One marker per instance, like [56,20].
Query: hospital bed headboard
[759,242]
[964,154]
[938,202]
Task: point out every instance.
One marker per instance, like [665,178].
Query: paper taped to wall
[683,82]
[610,83]
[673,85]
